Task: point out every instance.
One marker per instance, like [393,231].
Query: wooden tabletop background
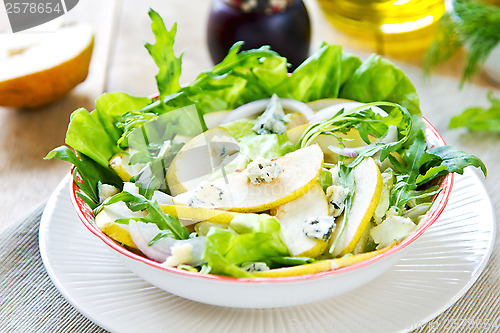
[121,63]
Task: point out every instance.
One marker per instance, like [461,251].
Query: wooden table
[121,63]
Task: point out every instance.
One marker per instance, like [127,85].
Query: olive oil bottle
[398,28]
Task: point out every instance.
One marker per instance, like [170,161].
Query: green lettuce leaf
[266,145]
[110,107]
[378,79]
[88,136]
[317,77]
[251,240]
[240,128]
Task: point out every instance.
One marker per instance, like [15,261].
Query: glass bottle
[399,28]
[282,24]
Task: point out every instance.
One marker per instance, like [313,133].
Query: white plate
[442,265]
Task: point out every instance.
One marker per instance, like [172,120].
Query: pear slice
[214,119]
[105,220]
[301,169]
[195,215]
[40,68]
[366,197]
[326,102]
[321,265]
[296,119]
[120,164]
[292,217]
[198,158]
[351,140]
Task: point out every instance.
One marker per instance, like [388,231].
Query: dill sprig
[474,24]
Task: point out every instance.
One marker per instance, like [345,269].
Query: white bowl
[267,292]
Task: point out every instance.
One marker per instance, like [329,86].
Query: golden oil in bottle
[402,28]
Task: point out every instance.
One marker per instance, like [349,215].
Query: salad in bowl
[251,174]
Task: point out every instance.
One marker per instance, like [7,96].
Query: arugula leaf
[91,172]
[407,172]
[422,165]
[162,53]
[241,77]
[454,161]
[413,157]
[478,118]
[366,122]
[155,215]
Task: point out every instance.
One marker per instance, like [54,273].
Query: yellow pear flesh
[198,214]
[196,160]
[301,169]
[43,69]
[321,265]
[214,119]
[105,220]
[366,197]
[119,164]
[292,217]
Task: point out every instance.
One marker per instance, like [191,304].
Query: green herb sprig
[480,119]
[471,23]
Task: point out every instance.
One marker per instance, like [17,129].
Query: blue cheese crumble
[336,196]
[262,170]
[273,120]
[206,195]
[319,227]
[255,267]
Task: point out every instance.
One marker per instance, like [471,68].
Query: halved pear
[366,197]
[195,215]
[198,158]
[321,265]
[292,217]
[39,68]
[301,169]
[105,220]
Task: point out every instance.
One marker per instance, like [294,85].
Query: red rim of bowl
[85,214]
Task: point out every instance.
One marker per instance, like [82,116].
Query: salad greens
[478,118]
[130,143]
[245,241]
[170,226]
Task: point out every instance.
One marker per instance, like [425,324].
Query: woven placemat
[29,302]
